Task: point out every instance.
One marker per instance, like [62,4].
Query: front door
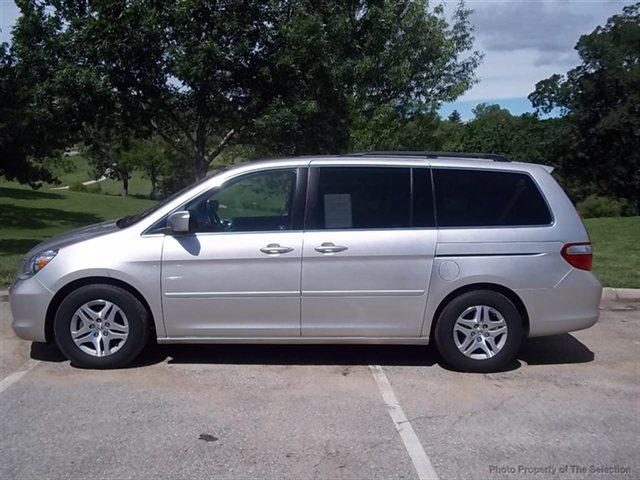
[237,272]
[368,251]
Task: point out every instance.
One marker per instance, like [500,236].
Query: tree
[495,130]
[111,157]
[295,75]
[149,157]
[45,98]
[490,131]
[455,117]
[419,60]
[386,130]
[33,126]
[600,101]
[18,140]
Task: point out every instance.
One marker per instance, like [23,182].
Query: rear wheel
[479,331]
[101,326]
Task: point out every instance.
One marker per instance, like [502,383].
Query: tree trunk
[201,169]
[125,185]
[153,180]
[200,153]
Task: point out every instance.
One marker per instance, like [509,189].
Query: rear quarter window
[480,198]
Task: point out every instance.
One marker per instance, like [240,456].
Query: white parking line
[9,380]
[408,435]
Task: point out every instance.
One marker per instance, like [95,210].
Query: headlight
[37,263]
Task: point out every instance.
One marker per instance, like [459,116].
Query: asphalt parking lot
[568,408]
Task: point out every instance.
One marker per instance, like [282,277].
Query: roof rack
[390,153]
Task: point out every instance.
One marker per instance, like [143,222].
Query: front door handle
[274,249]
[328,247]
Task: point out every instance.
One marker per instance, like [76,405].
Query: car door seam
[300,282]
[164,324]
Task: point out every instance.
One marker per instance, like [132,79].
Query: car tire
[469,332]
[101,326]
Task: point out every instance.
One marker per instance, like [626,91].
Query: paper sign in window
[337,210]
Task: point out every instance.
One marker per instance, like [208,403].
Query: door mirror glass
[178,222]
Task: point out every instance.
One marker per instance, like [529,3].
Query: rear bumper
[29,300]
[573,304]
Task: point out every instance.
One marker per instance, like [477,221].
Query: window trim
[297,209]
[411,202]
[433,199]
[311,197]
[491,170]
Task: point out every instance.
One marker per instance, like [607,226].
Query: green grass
[139,186]
[77,170]
[70,170]
[28,217]
[616,247]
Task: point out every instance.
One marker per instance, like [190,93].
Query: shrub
[79,187]
[595,206]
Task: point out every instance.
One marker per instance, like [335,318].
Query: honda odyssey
[470,252]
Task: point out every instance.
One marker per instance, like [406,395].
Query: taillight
[579,255]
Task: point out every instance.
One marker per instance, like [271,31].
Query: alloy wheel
[99,328]
[480,332]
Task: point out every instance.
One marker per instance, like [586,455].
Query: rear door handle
[328,247]
[274,249]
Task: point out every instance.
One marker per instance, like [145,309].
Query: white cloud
[527,41]
[8,14]
[547,27]
[510,74]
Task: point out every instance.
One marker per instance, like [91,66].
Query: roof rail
[484,156]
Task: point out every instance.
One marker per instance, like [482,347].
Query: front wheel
[479,331]
[101,326]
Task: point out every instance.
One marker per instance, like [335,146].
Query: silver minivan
[471,252]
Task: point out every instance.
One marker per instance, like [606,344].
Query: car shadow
[554,350]
[391,355]
[46,352]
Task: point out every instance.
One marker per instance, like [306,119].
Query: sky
[524,41]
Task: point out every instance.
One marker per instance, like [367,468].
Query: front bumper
[29,300]
[573,304]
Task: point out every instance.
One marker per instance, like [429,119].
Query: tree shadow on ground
[559,349]
[24,194]
[17,246]
[32,218]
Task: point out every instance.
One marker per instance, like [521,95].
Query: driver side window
[255,202]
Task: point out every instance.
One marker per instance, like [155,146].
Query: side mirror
[178,222]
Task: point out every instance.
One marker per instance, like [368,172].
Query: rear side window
[362,197]
[471,198]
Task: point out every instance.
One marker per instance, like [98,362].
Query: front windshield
[129,220]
